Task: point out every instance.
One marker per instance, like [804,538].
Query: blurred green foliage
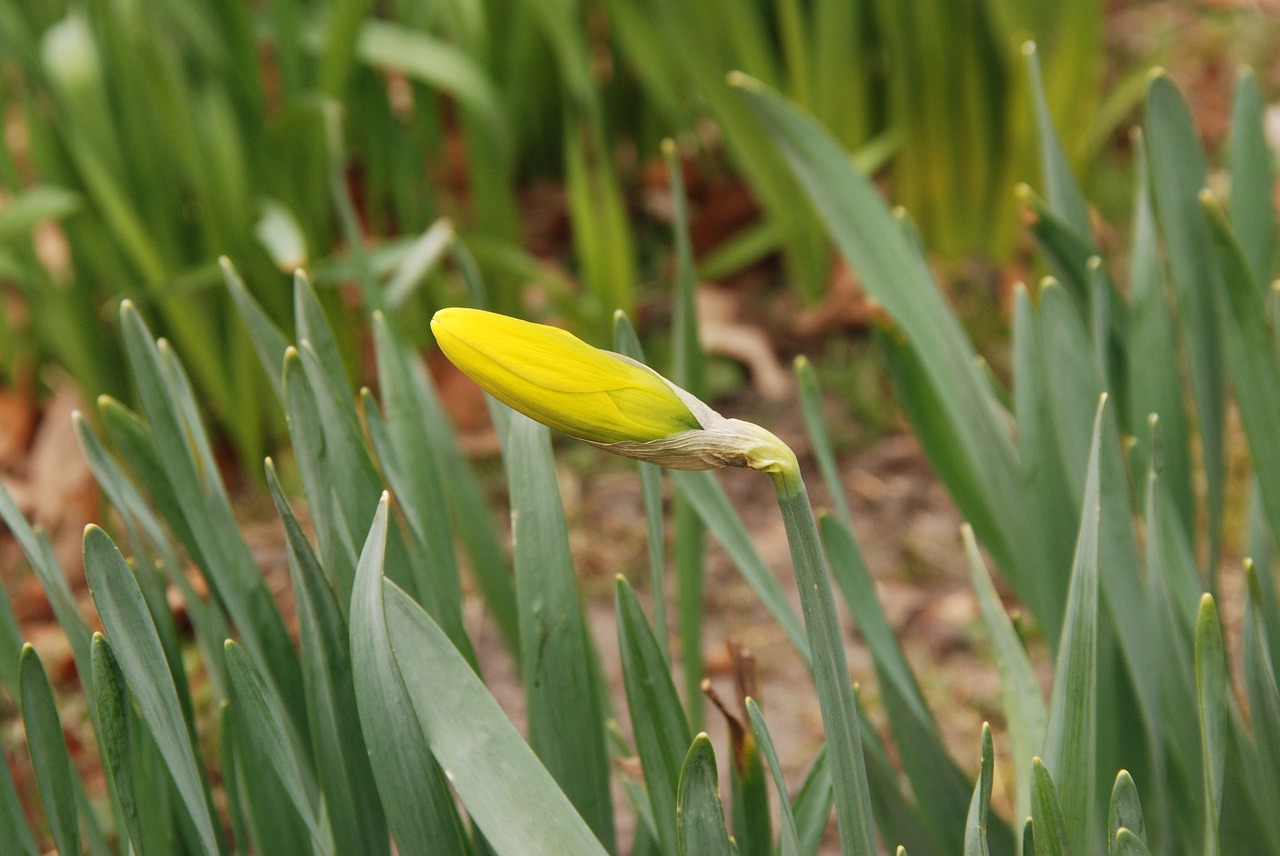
[163,134]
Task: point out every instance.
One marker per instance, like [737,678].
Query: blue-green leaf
[50,761]
[699,813]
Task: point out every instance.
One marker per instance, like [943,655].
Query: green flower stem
[830,667]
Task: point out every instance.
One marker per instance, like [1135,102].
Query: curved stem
[830,666]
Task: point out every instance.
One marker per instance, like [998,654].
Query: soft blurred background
[361,140]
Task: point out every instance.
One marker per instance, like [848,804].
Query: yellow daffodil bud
[603,398]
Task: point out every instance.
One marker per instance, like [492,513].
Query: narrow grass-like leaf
[748,794]
[111,701]
[472,522]
[657,719]
[10,643]
[268,822]
[1053,517]
[266,730]
[707,496]
[506,790]
[1211,691]
[812,805]
[1065,197]
[566,724]
[334,540]
[689,371]
[39,552]
[1052,835]
[140,655]
[1261,688]
[1177,175]
[873,244]
[13,821]
[152,543]
[1074,383]
[199,499]
[898,818]
[1024,705]
[816,425]
[337,744]
[415,477]
[314,327]
[699,813]
[1251,356]
[50,761]
[921,402]
[789,837]
[414,790]
[942,789]
[975,829]
[1253,216]
[626,342]
[1155,373]
[1125,811]
[267,339]
[1071,737]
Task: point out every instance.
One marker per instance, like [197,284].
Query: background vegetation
[161,136]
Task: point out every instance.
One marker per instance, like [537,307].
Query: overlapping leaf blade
[657,719]
[699,814]
[140,655]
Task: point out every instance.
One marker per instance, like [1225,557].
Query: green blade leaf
[506,790]
[627,343]
[259,716]
[941,788]
[111,701]
[975,830]
[1126,811]
[789,838]
[1155,385]
[891,272]
[1020,690]
[140,655]
[816,426]
[1253,218]
[1051,831]
[13,820]
[657,719]
[414,791]
[50,761]
[699,813]
[897,817]
[566,723]
[1252,358]
[1065,196]
[267,339]
[199,499]
[337,744]
[1071,737]
[1177,175]
[1211,693]
[1261,688]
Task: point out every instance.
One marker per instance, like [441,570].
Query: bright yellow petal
[556,378]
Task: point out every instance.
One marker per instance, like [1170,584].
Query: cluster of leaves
[161,135]
[377,725]
[1093,520]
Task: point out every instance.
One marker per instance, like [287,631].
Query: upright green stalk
[830,667]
